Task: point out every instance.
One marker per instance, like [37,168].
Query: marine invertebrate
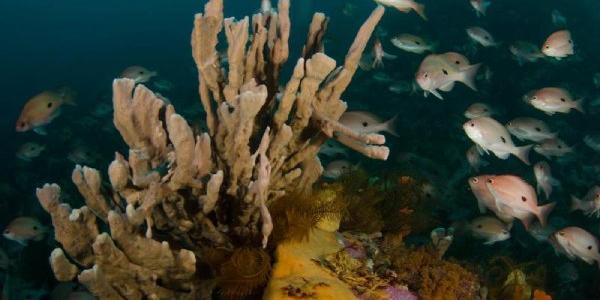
[176,194]
[244,273]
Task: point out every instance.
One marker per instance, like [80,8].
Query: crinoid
[244,274]
[295,215]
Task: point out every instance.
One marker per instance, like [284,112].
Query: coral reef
[507,280]
[179,203]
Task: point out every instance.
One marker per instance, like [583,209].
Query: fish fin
[538,188]
[468,74]
[22,242]
[576,203]
[39,237]
[520,61]
[544,211]
[377,63]
[447,87]
[389,56]
[588,260]
[490,242]
[547,190]
[420,10]
[67,95]
[390,126]
[437,94]
[40,130]
[553,181]
[579,106]
[481,150]
[481,206]
[522,153]
[509,225]
[527,220]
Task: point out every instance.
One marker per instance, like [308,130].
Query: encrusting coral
[176,194]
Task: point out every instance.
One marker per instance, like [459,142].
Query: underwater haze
[489,110]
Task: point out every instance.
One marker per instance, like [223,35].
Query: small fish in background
[379,54]
[382,77]
[481,36]
[337,168]
[525,52]
[403,87]
[596,80]
[489,229]
[558,19]
[480,6]
[528,96]
[42,109]
[493,136]
[405,6]
[138,73]
[30,150]
[592,141]
[478,109]
[530,129]
[82,155]
[163,85]
[575,242]
[553,100]
[412,43]
[441,71]
[517,198]
[559,45]
[485,199]
[590,204]
[552,148]
[366,122]
[544,179]
[475,160]
[349,9]
[332,148]
[24,229]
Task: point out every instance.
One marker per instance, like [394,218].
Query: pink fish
[552,148]
[481,36]
[477,110]
[405,6]
[492,136]
[590,204]
[379,55]
[485,199]
[559,45]
[544,178]
[575,242]
[480,6]
[552,100]
[24,229]
[441,71]
[513,196]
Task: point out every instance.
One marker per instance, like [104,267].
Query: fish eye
[547,47]
[559,147]
[562,233]
[509,124]
[50,104]
[534,97]
[570,42]
[22,124]
[472,124]
[445,72]
[485,109]
[504,232]
[141,72]
[503,139]
[475,180]
[365,124]
[490,180]
[479,226]
[486,37]
[35,228]
[538,129]
[563,99]
[523,198]
[597,195]
[6,231]
[426,75]
[417,42]
[589,247]
[457,62]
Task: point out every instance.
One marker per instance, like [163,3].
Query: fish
[515,197]
[592,141]
[337,168]
[138,74]
[525,52]
[42,109]
[411,43]
[441,71]
[485,199]
[474,159]
[596,80]
[559,45]
[481,36]
[558,19]
[489,229]
[576,242]
[30,150]
[366,122]
[553,100]
[544,179]
[477,110]
[379,54]
[554,147]
[24,229]
[590,204]
[403,87]
[492,136]
[82,155]
[405,6]
[531,129]
[163,85]
[480,6]
[333,149]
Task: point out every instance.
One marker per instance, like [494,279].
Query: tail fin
[67,95]
[389,56]
[468,74]
[544,211]
[420,10]
[523,153]
[579,106]
[576,203]
[390,126]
